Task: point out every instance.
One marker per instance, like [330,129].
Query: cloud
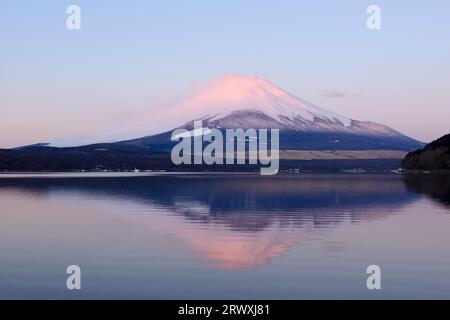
[333,94]
[336,94]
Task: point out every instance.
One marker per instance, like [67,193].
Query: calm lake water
[225,236]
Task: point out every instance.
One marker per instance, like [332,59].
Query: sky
[132,57]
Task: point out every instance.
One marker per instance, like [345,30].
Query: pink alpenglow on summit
[229,93]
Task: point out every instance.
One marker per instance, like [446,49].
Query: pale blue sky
[131,56]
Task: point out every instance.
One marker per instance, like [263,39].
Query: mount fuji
[230,101]
[239,101]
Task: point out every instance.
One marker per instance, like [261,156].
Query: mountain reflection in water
[239,221]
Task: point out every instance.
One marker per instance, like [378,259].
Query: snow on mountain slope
[231,93]
[238,101]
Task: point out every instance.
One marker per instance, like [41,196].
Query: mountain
[434,156]
[310,137]
[238,101]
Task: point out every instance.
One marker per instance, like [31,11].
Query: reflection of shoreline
[435,186]
[236,222]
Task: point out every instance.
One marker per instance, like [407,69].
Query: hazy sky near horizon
[131,57]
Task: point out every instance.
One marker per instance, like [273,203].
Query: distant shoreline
[110,174]
[18,175]
[425,171]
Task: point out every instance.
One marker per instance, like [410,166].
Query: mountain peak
[240,90]
[236,92]
[239,85]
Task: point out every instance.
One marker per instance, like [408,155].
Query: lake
[213,236]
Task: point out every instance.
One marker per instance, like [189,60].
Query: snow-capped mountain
[230,94]
[307,132]
[239,101]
